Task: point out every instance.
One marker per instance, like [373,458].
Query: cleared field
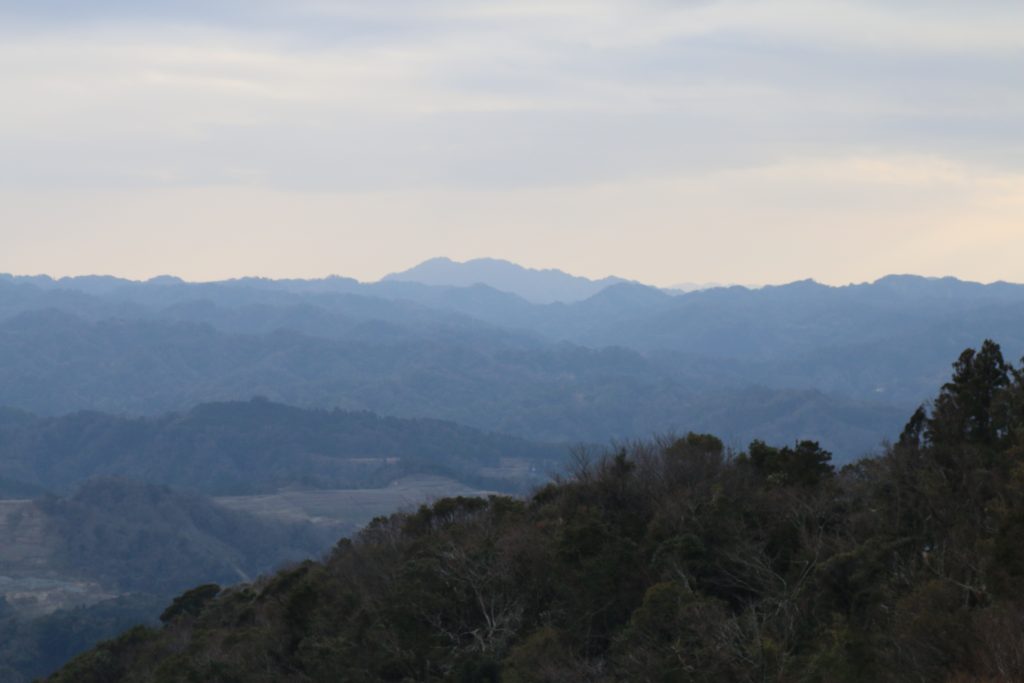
[30,543]
[25,542]
[27,581]
[350,509]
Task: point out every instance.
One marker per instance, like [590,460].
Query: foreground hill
[668,561]
[259,446]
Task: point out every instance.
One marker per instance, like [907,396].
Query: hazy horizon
[396,270]
[714,140]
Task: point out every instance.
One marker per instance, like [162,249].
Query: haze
[729,141]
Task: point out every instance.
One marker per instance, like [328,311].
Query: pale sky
[748,141]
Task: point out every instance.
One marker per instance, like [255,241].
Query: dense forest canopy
[668,560]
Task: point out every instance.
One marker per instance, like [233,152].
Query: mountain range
[164,433]
[843,365]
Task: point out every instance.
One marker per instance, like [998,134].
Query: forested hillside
[672,560]
[54,363]
[841,365]
[80,568]
[255,446]
[84,556]
[138,538]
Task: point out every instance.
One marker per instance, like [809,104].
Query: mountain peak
[535,285]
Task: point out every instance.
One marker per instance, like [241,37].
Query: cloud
[560,113]
[105,105]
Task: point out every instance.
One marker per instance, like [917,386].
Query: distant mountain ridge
[627,361]
[54,363]
[536,286]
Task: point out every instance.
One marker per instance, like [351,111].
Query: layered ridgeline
[841,365]
[668,561]
[53,363]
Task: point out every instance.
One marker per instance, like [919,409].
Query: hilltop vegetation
[672,560]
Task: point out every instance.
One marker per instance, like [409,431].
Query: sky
[740,141]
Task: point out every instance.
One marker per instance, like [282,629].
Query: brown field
[349,509]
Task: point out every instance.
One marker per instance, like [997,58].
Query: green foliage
[971,408]
[190,603]
[543,656]
[805,464]
[672,560]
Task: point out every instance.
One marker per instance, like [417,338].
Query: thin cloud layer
[442,105]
